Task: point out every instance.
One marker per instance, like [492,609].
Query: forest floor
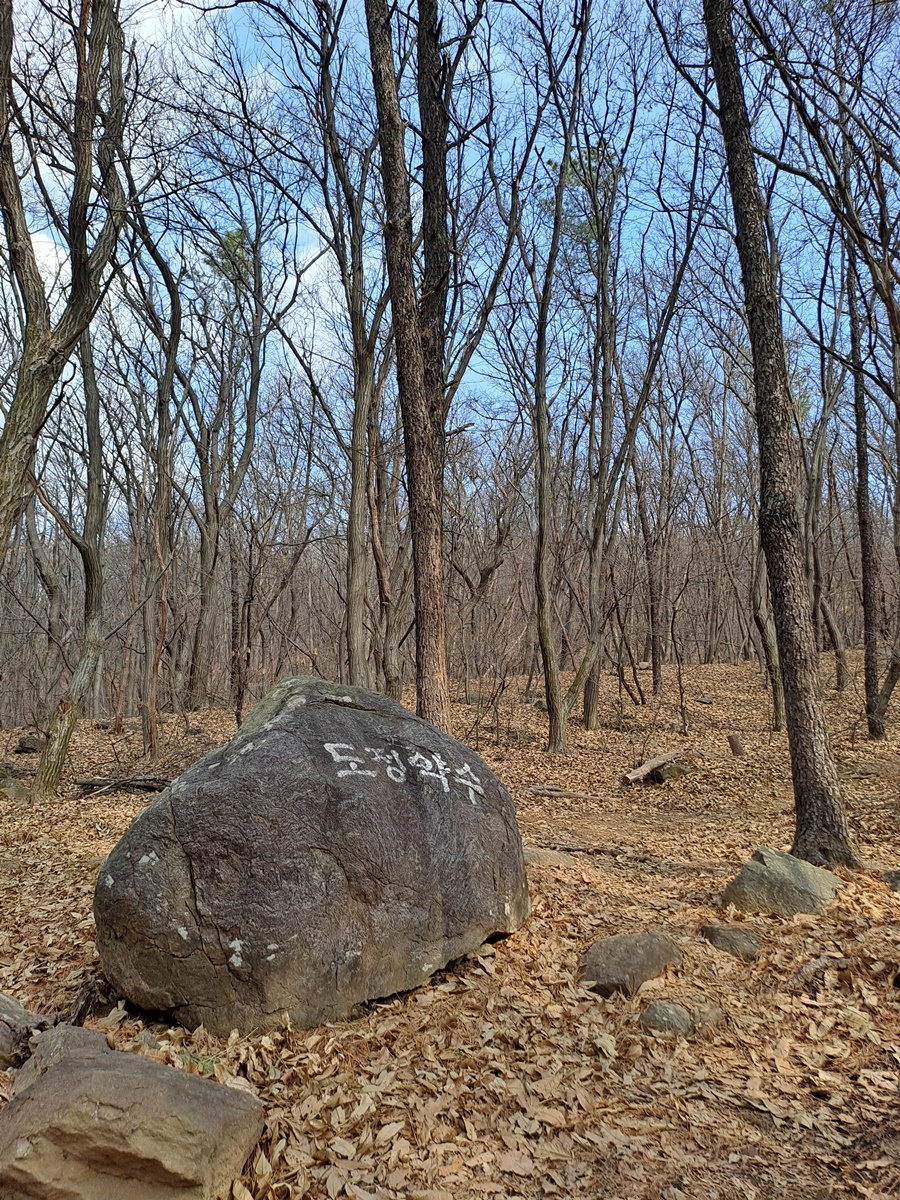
[502,1077]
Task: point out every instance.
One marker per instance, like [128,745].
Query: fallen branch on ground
[653,764]
[133,783]
[562,793]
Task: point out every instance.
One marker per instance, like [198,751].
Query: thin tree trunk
[62,723]
[47,347]
[868,569]
[422,426]
[763,620]
[357,561]
[821,831]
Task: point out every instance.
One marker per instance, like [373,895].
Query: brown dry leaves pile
[502,1077]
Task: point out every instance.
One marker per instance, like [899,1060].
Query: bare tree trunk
[62,723]
[47,347]
[763,621]
[422,424]
[821,832]
[868,570]
[356,526]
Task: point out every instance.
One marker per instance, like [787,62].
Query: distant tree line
[413,345]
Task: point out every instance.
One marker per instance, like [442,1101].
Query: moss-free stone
[777,883]
[623,962]
[731,939]
[337,850]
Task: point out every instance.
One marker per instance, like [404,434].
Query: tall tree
[821,832]
[77,139]
[422,409]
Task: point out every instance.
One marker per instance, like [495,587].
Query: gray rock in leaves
[338,849]
[892,879]
[706,1018]
[731,939]
[100,1125]
[30,743]
[667,1018]
[623,962]
[774,882]
[16,1027]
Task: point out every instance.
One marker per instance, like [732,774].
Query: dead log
[132,783]
[562,793]
[659,768]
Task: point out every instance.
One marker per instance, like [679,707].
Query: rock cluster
[90,1123]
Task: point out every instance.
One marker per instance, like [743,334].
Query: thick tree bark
[821,832]
[423,432]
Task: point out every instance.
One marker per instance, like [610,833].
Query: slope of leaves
[502,1077]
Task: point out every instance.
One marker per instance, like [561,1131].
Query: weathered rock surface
[731,939]
[623,962]
[337,850]
[16,1027]
[537,856]
[775,882]
[666,1017]
[51,1046]
[892,879]
[102,1125]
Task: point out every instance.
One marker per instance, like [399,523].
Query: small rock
[539,857]
[671,770]
[892,879]
[667,1018]
[731,939]
[704,700]
[623,962]
[16,1027]
[163,1135]
[15,790]
[706,1018]
[774,882]
[30,743]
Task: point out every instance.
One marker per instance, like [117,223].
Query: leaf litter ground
[502,1077]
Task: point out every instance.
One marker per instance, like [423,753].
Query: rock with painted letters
[337,850]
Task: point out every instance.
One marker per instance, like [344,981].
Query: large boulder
[778,883]
[96,1124]
[338,849]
